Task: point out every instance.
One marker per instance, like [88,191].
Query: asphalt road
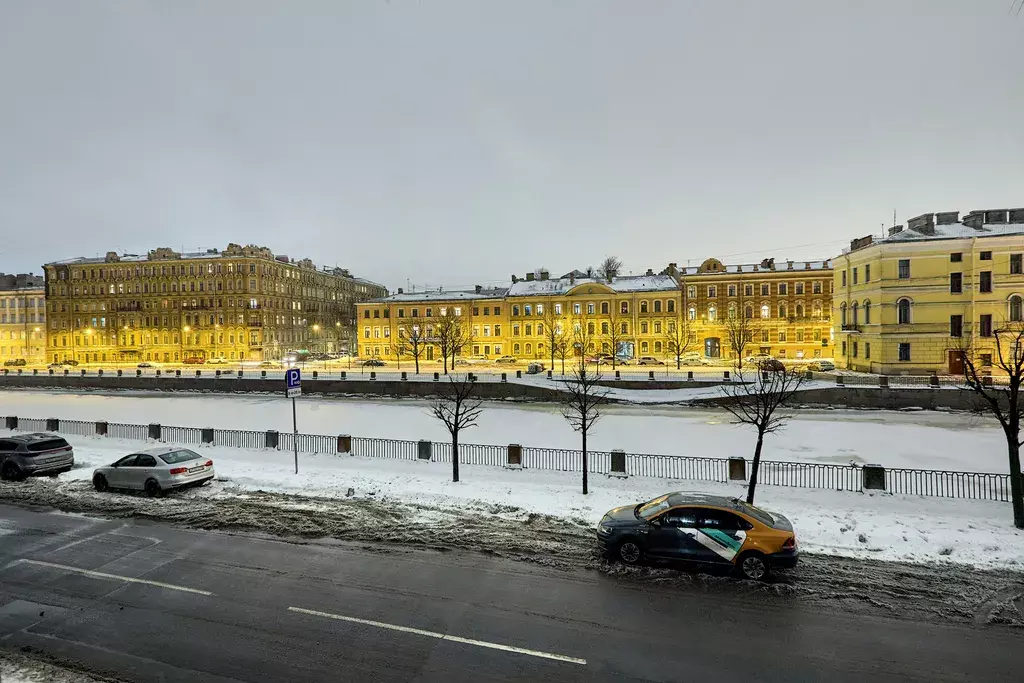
[147,602]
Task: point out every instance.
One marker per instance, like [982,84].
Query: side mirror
[655,522]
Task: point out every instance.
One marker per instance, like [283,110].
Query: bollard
[840,382]
[66,372]
[51,373]
[263,374]
[315,374]
[154,431]
[689,375]
[119,372]
[618,374]
[101,428]
[725,376]
[83,373]
[549,374]
[157,373]
[933,381]
[271,439]
[217,373]
[11,422]
[873,477]
[737,469]
[177,373]
[35,371]
[344,443]
[138,373]
[618,464]
[344,375]
[515,457]
[650,374]
[883,381]
[519,374]
[99,373]
[436,376]
[207,435]
[373,375]
[504,376]
[199,373]
[405,376]
[424,449]
[239,374]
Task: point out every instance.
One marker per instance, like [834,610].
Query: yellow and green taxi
[702,529]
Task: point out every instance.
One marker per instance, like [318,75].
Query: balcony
[850,327]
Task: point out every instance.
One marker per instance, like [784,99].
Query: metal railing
[918,482]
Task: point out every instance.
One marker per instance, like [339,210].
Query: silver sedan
[155,470]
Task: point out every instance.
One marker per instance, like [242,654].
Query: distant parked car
[756,360]
[823,365]
[373,363]
[767,363]
[194,360]
[694,358]
[63,364]
[649,360]
[217,361]
[25,455]
[478,358]
[16,362]
[155,471]
[270,364]
[506,360]
[148,364]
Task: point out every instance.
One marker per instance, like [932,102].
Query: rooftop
[444,295]
[947,225]
[713,266]
[626,283]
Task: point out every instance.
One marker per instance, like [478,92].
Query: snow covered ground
[878,526]
[16,668]
[927,440]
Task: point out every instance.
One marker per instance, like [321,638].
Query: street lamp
[184,331]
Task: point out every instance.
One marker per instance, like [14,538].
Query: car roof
[685,498]
[31,438]
[159,450]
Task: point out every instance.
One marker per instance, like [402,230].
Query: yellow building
[912,301]
[242,303]
[22,319]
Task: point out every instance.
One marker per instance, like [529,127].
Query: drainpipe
[849,284]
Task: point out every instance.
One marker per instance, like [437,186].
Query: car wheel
[754,566]
[153,489]
[100,482]
[629,551]
[11,472]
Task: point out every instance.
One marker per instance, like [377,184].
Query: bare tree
[1004,401]
[609,268]
[740,328]
[613,335]
[554,331]
[678,338]
[564,345]
[412,339]
[458,409]
[755,399]
[584,394]
[452,334]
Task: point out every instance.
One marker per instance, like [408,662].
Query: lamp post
[184,331]
[216,331]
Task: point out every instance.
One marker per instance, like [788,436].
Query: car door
[6,448]
[118,475]
[144,468]
[721,536]
[673,534]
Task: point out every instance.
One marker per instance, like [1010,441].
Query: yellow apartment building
[911,302]
[242,303]
[22,319]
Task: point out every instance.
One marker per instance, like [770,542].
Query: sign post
[293,388]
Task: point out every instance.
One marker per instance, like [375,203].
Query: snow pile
[19,669]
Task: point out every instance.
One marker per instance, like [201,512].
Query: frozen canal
[895,439]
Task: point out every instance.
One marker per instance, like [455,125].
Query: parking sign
[293,382]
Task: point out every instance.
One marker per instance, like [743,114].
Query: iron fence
[190,436]
[32,424]
[118,430]
[395,449]
[239,438]
[811,475]
[947,484]
[78,427]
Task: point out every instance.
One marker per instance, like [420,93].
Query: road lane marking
[442,636]
[116,577]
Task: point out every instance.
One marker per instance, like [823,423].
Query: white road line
[116,577]
[443,636]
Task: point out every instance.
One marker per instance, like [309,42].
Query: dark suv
[24,455]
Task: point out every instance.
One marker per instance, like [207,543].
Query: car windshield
[757,513]
[653,507]
[178,456]
[48,445]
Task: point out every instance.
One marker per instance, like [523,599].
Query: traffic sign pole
[293,388]
[295,436]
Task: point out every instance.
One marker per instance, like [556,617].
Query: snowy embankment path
[878,526]
[925,440]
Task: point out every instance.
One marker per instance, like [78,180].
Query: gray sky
[454,143]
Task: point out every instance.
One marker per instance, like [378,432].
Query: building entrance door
[712,347]
[956,362]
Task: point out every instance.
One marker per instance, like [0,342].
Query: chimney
[650,272]
[789,265]
[544,274]
[974,219]
[514,278]
[923,224]
[768,263]
[807,265]
[1017,215]
[895,230]
[529,277]
[947,217]
[860,242]
[477,289]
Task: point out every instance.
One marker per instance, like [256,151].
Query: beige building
[22,319]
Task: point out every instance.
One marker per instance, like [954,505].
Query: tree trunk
[754,468]
[455,455]
[1016,494]
[584,460]
[417,358]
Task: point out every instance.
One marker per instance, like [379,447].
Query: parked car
[155,471]
[270,365]
[506,360]
[700,529]
[823,365]
[766,363]
[63,364]
[16,362]
[194,360]
[373,363]
[756,360]
[694,358]
[477,359]
[535,368]
[649,360]
[148,364]
[606,359]
[217,361]
[25,455]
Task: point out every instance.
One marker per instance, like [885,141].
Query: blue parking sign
[293,382]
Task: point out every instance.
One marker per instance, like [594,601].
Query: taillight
[179,470]
[209,463]
[789,543]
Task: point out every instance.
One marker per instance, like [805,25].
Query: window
[783,288]
[956,283]
[692,313]
[765,289]
[576,309]
[1016,304]
[643,327]
[590,309]
[844,278]
[782,310]
[558,310]
[528,310]
[903,312]
[904,269]
[844,348]
[515,310]
[782,335]
[476,311]
[624,307]
[691,292]
[800,335]
[540,309]
[748,290]
[956,326]
[725,521]
[624,328]
[985,256]
[799,288]
[657,306]
[748,312]
[985,283]
[816,287]
[1015,264]
[854,276]
[712,313]
[867,272]
[855,348]
[604,307]
[366,313]
[671,306]
[842,314]
[856,312]
[643,306]
[985,325]
[956,257]
[766,311]
[986,360]
[867,349]
[497,311]
[712,291]
[867,312]
[904,351]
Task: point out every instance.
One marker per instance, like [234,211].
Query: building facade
[242,303]
[22,319]
[913,301]
[787,310]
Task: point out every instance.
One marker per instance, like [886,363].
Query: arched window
[800,310]
[657,306]
[903,312]
[1016,308]
[643,347]
[766,311]
[867,312]
[816,310]
[671,306]
[782,310]
[643,306]
[856,312]
[604,307]
[732,311]
[748,313]
[712,313]
[515,349]
[842,314]
[691,313]
[657,347]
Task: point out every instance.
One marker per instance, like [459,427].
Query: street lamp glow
[186,328]
[316,328]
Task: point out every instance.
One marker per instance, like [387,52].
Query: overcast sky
[454,143]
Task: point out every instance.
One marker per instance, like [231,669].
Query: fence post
[472,377]
[271,439]
[437,376]
[154,431]
[177,373]
[424,449]
[689,375]
[933,381]
[138,373]
[239,374]
[618,374]
[883,381]
[11,422]
[549,374]
[315,375]
[725,376]
[873,477]
[504,377]
[344,443]
[207,435]
[217,373]
[344,375]
[119,373]
[83,373]
[35,371]
[101,428]
[519,374]
[405,376]
[373,375]
[157,373]
[99,373]
[515,457]
[263,374]
[619,463]
[51,373]
[66,372]
[199,373]
[840,382]
[737,469]
[52,424]
[650,374]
